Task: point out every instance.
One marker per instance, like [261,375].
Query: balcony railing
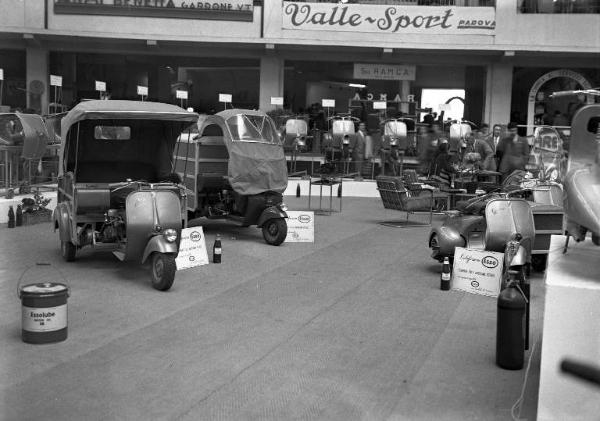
[559,6]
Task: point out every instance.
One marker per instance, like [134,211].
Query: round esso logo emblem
[474,284]
[305,219]
[489,262]
[195,236]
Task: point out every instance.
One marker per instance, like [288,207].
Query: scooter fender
[272,212]
[160,245]
[62,222]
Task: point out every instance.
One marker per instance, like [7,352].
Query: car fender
[62,222]
[158,244]
[272,212]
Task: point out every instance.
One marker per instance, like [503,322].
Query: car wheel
[538,262]
[68,250]
[596,239]
[162,271]
[274,231]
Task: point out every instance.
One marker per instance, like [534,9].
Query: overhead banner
[235,10]
[384,71]
[438,20]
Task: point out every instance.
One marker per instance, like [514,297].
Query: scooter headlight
[170,235]
[283,207]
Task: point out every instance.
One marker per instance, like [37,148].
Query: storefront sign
[142,90]
[100,86]
[55,80]
[276,100]
[235,10]
[225,98]
[384,71]
[181,94]
[477,271]
[389,19]
[328,103]
[192,249]
[300,227]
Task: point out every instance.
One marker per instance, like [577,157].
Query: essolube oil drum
[44,312]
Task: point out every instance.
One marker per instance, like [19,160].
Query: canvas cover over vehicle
[257,162]
[105,140]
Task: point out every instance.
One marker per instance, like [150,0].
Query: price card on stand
[276,100]
[379,105]
[225,97]
[328,103]
[142,90]
[100,86]
[1,74]
[301,227]
[181,94]
[192,249]
[55,80]
[477,271]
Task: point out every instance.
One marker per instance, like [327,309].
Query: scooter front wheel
[274,231]
[162,271]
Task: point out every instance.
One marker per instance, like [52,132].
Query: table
[328,180]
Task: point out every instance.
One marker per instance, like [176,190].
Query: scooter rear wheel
[274,231]
[162,271]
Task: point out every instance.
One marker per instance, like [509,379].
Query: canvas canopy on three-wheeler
[256,162]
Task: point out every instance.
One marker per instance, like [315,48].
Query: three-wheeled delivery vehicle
[235,169]
[116,183]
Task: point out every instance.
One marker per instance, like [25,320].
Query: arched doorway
[540,109]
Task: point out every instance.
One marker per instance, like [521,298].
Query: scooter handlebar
[581,370]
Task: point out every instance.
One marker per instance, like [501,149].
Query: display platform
[571,330]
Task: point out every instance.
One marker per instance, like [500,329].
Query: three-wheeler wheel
[274,231]
[162,270]
[68,250]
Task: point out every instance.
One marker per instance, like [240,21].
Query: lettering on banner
[390,19]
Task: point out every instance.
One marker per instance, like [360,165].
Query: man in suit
[513,151]
[359,147]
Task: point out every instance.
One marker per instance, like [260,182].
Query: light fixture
[509,53]
[388,50]
[357,85]
[28,36]
[151,42]
[270,46]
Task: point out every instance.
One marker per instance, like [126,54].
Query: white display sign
[100,86]
[192,249]
[477,271]
[55,80]
[142,90]
[379,105]
[225,98]
[300,227]
[181,94]
[1,74]
[276,100]
[328,103]
[384,71]
[387,19]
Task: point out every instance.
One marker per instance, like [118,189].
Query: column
[404,93]
[36,63]
[271,81]
[498,93]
